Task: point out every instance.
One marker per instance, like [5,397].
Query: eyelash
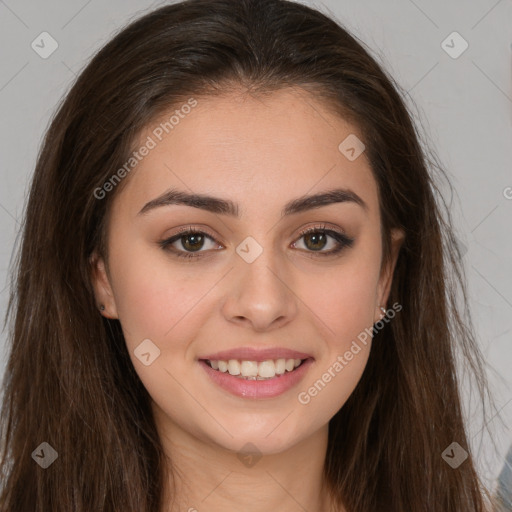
[343,240]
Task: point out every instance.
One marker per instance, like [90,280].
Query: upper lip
[256,354]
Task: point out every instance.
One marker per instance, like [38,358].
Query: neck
[207,476]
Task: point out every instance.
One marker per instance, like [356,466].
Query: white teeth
[233,367]
[267,369]
[280,366]
[248,368]
[289,365]
[253,370]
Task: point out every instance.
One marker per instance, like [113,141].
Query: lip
[258,389]
[258,355]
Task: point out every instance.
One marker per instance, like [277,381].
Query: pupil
[318,237]
[196,238]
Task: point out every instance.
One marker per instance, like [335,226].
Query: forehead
[253,149]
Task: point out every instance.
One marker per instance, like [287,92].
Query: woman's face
[253,282]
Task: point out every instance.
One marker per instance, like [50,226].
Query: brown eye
[315,241]
[192,242]
[317,238]
[187,242]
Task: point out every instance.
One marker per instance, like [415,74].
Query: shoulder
[504,488]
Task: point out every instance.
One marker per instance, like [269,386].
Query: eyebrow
[228,207]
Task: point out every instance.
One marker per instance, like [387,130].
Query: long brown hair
[69,380]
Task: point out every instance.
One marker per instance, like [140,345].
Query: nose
[260,294]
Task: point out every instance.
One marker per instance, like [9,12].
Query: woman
[236,285]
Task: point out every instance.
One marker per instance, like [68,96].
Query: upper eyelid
[324,226]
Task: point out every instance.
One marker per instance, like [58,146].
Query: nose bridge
[259,292]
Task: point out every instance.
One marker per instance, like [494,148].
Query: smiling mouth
[253,370]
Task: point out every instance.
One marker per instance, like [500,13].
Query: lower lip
[258,388]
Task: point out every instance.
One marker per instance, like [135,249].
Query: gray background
[464,104]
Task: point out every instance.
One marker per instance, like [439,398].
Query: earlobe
[102,287]
[386,278]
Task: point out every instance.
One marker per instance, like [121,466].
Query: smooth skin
[259,152]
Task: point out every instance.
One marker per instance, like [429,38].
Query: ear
[386,276]
[102,287]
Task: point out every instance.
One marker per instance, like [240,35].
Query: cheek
[347,308]
[153,296]
[344,300]
[348,311]
[331,386]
